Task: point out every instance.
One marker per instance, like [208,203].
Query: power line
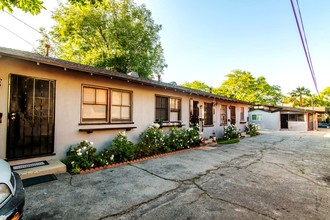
[304,42]
[309,55]
[23,22]
[16,35]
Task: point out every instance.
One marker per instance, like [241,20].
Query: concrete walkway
[278,175]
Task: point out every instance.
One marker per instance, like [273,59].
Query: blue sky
[205,40]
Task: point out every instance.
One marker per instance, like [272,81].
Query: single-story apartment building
[283,118]
[48,105]
[321,112]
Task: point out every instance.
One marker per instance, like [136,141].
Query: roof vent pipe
[47,46]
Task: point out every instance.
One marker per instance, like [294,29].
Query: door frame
[286,125]
[14,140]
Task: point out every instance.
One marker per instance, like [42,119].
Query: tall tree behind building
[117,35]
[243,86]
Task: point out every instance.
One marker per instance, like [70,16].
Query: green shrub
[230,141]
[81,157]
[252,129]
[104,158]
[152,142]
[231,132]
[194,136]
[177,139]
[120,150]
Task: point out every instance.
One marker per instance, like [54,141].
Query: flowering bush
[231,132]
[121,149]
[182,139]
[152,142]
[194,136]
[177,139]
[81,157]
[252,129]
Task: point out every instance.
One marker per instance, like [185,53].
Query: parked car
[12,193]
[324,125]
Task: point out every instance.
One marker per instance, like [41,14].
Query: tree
[299,92]
[243,86]
[323,99]
[32,6]
[117,35]
[197,85]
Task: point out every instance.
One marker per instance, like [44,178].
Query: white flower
[156,125]
[72,162]
[84,148]
[92,165]
[86,152]
[91,143]
[112,157]
[79,154]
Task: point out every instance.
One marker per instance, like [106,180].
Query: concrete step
[54,167]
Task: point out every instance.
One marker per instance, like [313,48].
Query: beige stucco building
[283,118]
[47,105]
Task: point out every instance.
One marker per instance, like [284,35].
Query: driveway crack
[154,174]
[230,202]
[192,180]
[136,206]
[304,177]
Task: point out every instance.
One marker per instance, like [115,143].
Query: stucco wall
[297,126]
[271,121]
[68,105]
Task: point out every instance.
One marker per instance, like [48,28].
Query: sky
[206,40]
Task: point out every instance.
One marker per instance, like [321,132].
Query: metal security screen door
[31,117]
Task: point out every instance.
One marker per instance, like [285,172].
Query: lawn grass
[231,141]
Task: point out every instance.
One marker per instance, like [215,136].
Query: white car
[12,194]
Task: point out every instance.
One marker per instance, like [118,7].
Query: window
[208,114]
[161,108]
[257,117]
[175,107]
[223,115]
[242,114]
[296,117]
[96,105]
[121,106]
[168,109]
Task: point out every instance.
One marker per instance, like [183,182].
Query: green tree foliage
[117,35]
[243,86]
[32,6]
[299,92]
[197,85]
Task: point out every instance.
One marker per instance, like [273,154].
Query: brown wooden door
[194,113]
[233,115]
[310,122]
[31,117]
[284,121]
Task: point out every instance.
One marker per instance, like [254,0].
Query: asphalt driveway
[277,175]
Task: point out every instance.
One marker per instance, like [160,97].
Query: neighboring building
[283,118]
[321,112]
[47,105]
